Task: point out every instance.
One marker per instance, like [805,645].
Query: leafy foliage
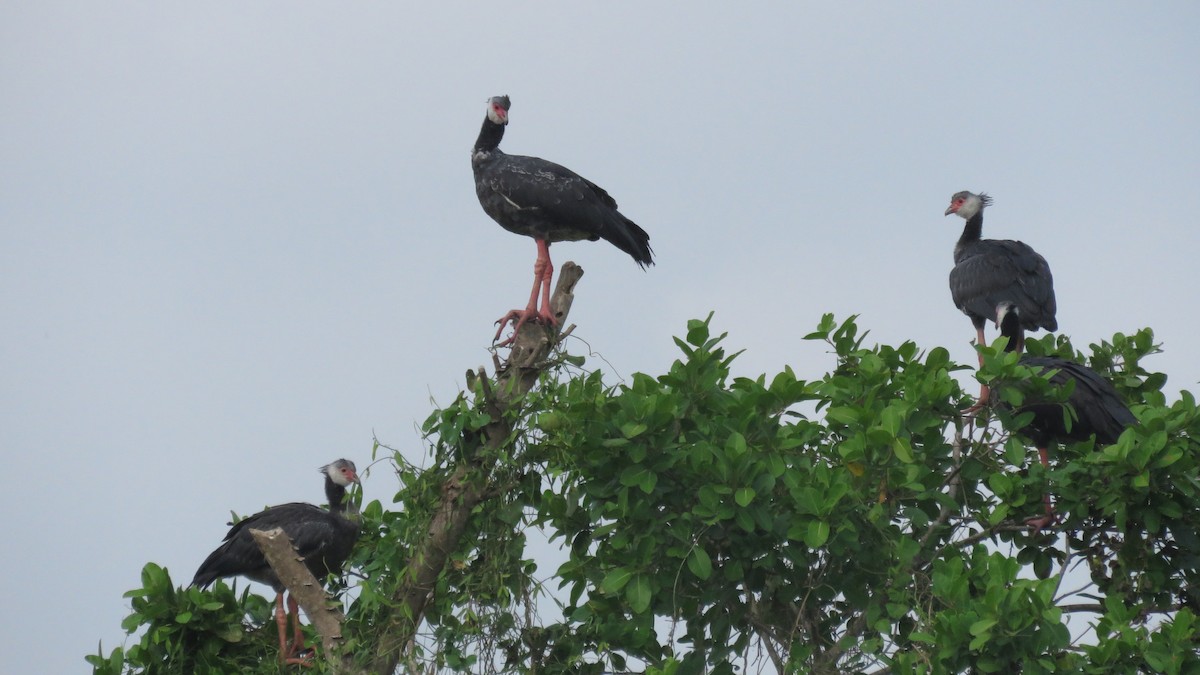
[714,523]
[193,631]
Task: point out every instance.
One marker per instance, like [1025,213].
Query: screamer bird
[988,272]
[548,202]
[1095,408]
[323,538]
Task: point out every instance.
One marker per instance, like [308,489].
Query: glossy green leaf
[818,534]
[743,496]
[637,594]
[699,563]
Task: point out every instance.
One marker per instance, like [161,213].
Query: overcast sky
[239,239]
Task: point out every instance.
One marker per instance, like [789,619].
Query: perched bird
[323,538]
[988,272]
[540,199]
[1096,409]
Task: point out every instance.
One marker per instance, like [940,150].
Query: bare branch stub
[467,485]
[322,613]
[534,341]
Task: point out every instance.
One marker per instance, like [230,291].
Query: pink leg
[296,653]
[543,269]
[545,313]
[293,609]
[281,622]
[984,391]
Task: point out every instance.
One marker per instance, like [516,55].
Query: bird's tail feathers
[630,238]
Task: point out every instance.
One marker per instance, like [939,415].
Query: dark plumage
[546,201]
[323,538]
[988,272]
[1096,409]
[1096,406]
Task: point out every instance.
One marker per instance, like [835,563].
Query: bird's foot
[971,411]
[299,654]
[547,318]
[980,403]
[1036,525]
[518,318]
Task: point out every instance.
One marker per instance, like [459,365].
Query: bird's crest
[343,472]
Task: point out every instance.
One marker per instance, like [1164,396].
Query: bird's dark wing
[996,271]
[1098,407]
[532,196]
[314,536]
[239,553]
[532,182]
[282,516]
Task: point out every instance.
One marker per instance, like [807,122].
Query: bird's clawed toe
[1036,525]
[518,318]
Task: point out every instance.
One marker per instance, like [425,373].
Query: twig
[953,482]
[1083,607]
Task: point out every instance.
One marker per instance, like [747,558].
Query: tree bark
[289,567]
[467,486]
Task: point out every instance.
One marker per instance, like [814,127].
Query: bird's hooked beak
[950,209]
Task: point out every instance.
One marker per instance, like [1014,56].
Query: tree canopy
[855,522]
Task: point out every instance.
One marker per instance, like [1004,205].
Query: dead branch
[468,485]
[322,613]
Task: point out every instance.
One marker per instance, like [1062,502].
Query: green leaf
[1014,451]
[630,430]
[845,415]
[917,636]
[633,475]
[892,420]
[744,496]
[982,626]
[699,563]
[818,534]
[637,594]
[615,580]
[736,444]
[648,481]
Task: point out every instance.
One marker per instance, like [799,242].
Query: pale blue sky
[237,239]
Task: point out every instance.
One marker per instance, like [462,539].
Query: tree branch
[289,567]
[468,486]
[953,482]
[765,632]
[1093,607]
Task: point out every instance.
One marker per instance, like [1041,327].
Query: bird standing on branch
[1096,409]
[540,199]
[322,538]
[988,272]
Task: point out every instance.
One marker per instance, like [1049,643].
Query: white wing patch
[514,204]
